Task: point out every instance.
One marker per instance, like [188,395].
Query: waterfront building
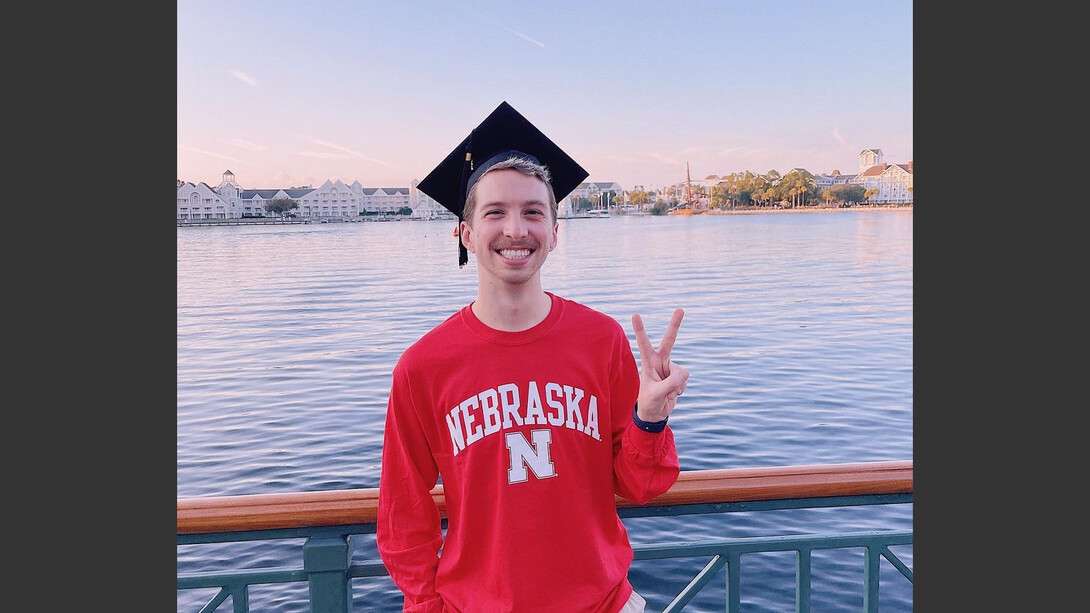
[826,181]
[426,207]
[868,158]
[199,201]
[333,199]
[229,200]
[593,191]
[383,200]
[893,181]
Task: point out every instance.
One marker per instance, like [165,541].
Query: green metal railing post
[803,581]
[325,561]
[240,597]
[871,578]
[734,581]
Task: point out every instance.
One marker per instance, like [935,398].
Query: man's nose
[515,226]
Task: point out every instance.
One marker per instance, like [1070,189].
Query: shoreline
[816,209]
[812,209]
[298,221]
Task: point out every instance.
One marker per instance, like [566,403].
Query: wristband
[648,426]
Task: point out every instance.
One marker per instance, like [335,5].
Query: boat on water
[689,206]
[598,213]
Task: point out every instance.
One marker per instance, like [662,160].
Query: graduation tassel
[467,168]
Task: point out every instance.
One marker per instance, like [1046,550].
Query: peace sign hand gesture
[661,381]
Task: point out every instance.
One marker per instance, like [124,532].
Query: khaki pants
[635,604]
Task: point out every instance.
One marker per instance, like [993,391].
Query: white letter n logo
[523,455]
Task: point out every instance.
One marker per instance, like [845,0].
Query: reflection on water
[797,334]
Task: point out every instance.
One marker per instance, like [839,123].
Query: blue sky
[287,93]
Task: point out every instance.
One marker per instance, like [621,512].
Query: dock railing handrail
[339,513]
[359,506]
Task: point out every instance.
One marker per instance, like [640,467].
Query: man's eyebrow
[524,203]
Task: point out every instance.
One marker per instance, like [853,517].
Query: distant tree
[853,194]
[752,188]
[870,192]
[405,210]
[660,207]
[744,188]
[720,199]
[281,205]
[795,185]
[638,197]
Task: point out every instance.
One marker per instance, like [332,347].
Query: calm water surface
[797,335]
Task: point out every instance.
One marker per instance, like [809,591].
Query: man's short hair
[523,165]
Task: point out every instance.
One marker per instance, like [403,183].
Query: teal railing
[327,520]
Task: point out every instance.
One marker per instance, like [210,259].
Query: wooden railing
[359,506]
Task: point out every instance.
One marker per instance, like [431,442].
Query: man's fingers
[679,378]
[642,341]
[670,335]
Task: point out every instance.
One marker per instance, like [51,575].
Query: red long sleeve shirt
[532,435]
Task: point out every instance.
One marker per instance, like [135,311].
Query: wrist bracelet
[648,426]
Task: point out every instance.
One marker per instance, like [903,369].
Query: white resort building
[893,181]
[333,199]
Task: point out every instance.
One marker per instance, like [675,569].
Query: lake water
[798,336]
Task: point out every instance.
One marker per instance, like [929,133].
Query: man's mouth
[515,254]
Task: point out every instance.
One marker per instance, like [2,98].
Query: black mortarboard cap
[503,131]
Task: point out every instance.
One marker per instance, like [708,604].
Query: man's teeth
[515,254]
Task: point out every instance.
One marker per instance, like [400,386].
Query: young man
[529,407]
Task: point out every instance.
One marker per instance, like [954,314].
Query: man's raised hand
[661,380]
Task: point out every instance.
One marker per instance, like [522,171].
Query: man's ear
[466,234]
[556,230]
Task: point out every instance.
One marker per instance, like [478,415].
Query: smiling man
[527,405]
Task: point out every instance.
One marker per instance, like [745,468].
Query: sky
[290,93]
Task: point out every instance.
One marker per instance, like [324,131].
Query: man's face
[511,231]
